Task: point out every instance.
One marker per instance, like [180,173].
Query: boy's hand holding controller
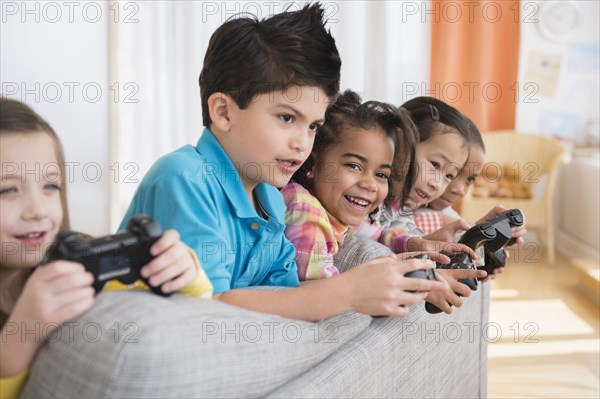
[173,267]
[380,286]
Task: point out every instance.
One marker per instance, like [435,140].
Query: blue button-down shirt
[198,192]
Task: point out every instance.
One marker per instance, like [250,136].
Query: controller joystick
[114,257]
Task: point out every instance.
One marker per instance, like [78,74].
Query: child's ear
[219,108]
[310,174]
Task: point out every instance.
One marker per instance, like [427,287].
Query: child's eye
[450,176]
[435,165]
[382,175]
[314,127]
[470,180]
[6,191]
[353,166]
[52,186]
[287,118]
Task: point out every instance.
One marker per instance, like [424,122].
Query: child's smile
[33,238]
[422,195]
[438,161]
[30,202]
[351,177]
[360,203]
[459,186]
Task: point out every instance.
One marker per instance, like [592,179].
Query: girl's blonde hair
[18,118]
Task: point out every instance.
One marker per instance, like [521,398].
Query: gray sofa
[135,344]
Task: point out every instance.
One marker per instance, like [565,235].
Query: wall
[60,58]
[54,57]
[559,79]
[559,95]
[579,215]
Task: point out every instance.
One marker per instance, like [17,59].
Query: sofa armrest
[419,356]
[355,251]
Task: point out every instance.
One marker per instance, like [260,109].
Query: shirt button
[254,226]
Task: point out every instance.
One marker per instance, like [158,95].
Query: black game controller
[475,237]
[495,256]
[425,274]
[493,260]
[113,257]
[494,235]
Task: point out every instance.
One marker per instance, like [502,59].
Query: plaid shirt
[428,220]
[313,231]
[392,227]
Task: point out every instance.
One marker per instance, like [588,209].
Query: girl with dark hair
[358,151]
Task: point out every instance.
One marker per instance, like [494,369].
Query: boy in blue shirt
[265,86]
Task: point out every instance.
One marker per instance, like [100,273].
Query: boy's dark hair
[430,115]
[18,117]
[247,57]
[348,111]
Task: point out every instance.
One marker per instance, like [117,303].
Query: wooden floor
[544,335]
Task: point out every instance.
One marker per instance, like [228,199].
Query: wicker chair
[534,157]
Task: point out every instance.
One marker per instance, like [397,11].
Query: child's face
[269,140]
[459,186]
[30,204]
[351,178]
[439,160]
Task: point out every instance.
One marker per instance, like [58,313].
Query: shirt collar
[219,163]
[339,229]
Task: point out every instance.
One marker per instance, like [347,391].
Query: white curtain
[156,49]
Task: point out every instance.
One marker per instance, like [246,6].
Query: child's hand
[443,299]
[434,256]
[378,287]
[493,275]
[448,248]
[448,232]
[517,232]
[174,265]
[452,296]
[55,293]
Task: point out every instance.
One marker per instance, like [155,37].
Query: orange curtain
[474,59]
